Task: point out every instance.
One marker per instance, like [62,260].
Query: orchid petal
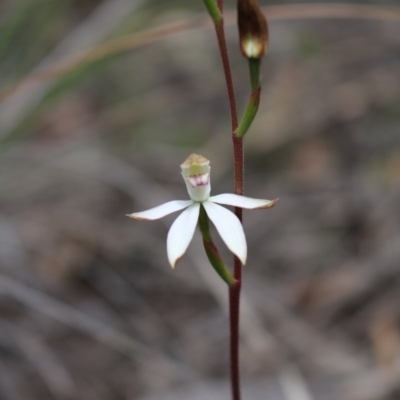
[161,210]
[242,201]
[229,228]
[181,233]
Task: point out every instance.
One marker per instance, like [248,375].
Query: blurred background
[100,101]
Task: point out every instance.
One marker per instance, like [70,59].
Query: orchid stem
[234,290]
[212,251]
[254,99]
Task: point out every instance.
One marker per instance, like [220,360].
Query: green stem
[254,100]
[255,73]
[249,114]
[213,10]
[212,251]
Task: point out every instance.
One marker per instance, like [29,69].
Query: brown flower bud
[253,29]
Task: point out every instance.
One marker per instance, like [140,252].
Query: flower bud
[253,29]
[196,173]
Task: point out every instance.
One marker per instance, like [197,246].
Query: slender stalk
[219,27]
[234,290]
[254,99]
[212,251]
[234,307]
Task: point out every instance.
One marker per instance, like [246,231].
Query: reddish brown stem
[234,291]
[219,27]
[234,307]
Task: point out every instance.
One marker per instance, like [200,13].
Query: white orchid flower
[196,173]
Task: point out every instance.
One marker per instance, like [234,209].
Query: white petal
[230,229]
[181,233]
[162,210]
[242,201]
